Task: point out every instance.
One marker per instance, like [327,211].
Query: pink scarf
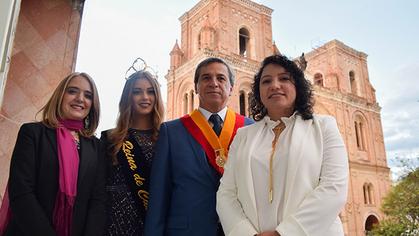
[68,161]
[5,212]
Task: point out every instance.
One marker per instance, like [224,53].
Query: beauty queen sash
[216,148]
[132,159]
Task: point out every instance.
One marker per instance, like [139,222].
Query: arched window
[370,222]
[353,82]
[249,99]
[368,191]
[365,191]
[242,101]
[358,136]
[370,194]
[185,103]
[199,41]
[360,126]
[244,42]
[318,79]
[191,104]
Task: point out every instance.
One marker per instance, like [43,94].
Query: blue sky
[114,33]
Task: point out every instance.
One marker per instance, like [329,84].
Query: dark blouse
[124,217]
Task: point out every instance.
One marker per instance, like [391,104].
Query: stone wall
[44,51]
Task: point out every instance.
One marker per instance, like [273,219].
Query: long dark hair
[125,117]
[304,99]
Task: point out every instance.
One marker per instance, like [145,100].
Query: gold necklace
[277,131]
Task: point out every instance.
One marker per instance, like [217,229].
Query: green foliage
[401,206]
[387,228]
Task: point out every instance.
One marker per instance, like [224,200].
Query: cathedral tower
[238,31]
[339,75]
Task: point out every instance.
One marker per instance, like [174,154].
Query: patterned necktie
[215,119]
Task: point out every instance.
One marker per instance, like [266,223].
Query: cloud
[400,115]
[400,112]
[403,162]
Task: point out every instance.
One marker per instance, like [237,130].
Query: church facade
[240,32]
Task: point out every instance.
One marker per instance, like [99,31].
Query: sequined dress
[123,214]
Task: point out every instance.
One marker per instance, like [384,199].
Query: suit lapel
[201,156]
[52,139]
[87,154]
[253,137]
[301,131]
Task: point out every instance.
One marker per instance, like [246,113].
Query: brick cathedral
[240,32]
[41,47]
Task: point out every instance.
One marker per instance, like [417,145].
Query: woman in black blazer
[57,172]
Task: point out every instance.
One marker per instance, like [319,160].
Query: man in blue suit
[190,155]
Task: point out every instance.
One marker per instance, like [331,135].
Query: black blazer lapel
[52,139]
[87,155]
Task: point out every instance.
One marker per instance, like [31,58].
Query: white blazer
[316,187]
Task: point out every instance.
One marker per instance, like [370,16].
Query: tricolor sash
[132,159]
[216,148]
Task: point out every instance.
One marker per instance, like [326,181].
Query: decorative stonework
[244,15]
[247,4]
[340,46]
[349,208]
[201,4]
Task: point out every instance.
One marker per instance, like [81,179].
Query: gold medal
[220,159]
[218,145]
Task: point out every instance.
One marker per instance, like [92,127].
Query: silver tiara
[140,65]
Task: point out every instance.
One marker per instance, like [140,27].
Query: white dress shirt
[207,114]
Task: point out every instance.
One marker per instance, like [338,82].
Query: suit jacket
[33,184]
[316,181]
[183,186]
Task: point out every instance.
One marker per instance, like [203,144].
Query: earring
[86,122]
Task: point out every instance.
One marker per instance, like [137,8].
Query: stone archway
[370,222]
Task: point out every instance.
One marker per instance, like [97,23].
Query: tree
[401,205]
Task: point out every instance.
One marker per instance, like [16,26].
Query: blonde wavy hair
[52,111]
[125,116]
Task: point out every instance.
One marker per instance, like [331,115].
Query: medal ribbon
[214,146]
[226,133]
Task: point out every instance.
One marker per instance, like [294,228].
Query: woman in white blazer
[288,173]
